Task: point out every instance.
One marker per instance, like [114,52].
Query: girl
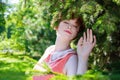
[61,57]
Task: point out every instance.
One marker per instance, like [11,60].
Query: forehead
[73,21]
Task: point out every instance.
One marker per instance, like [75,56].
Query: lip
[68,31]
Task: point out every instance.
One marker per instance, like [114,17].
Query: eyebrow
[73,25]
[70,23]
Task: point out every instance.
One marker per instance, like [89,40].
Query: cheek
[75,33]
[61,27]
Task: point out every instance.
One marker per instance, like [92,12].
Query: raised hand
[86,44]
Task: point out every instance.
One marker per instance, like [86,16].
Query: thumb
[80,42]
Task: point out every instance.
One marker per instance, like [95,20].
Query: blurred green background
[26,30]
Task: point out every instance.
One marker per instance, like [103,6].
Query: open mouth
[68,31]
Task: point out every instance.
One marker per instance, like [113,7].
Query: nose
[69,27]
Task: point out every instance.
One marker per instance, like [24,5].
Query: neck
[61,44]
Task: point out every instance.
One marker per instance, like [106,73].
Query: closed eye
[66,22]
[70,24]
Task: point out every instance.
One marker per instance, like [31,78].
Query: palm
[86,44]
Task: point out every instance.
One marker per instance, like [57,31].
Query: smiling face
[68,29]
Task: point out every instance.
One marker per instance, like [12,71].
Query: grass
[15,67]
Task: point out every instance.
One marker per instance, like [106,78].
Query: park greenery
[27,29]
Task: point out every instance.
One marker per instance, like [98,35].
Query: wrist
[83,58]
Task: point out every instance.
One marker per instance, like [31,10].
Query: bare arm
[82,65]
[84,48]
[71,65]
[77,64]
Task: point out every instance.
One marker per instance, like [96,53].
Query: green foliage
[89,75]
[11,45]
[28,28]
[20,67]
[116,1]
[15,67]
[2,20]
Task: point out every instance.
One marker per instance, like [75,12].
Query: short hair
[58,18]
[80,23]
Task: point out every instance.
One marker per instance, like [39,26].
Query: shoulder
[49,48]
[47,52]
[72,59]
[44,56]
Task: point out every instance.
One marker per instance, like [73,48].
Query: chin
[68,38]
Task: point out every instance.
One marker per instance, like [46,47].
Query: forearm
[82,65]
[84,48]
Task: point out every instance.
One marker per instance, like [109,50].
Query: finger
[84,37]
[88,35]
[80,41]
[91,36]
[94,40]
